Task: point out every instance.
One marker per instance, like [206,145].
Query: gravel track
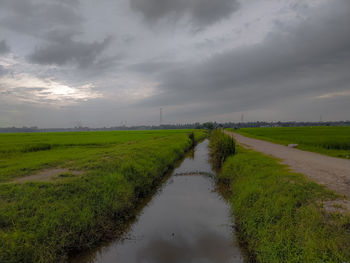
[329,171]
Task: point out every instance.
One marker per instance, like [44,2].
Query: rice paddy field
[328,140]
[65,192]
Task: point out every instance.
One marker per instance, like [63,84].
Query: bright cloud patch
[27,88]
[334,94]
[131,89]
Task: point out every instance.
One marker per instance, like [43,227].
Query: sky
[66,63]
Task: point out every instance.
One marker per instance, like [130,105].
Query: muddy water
[186,221]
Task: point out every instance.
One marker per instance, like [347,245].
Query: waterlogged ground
[186,221]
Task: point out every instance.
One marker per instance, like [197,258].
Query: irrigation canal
[186,221]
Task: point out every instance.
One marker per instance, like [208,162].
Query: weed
[221,146]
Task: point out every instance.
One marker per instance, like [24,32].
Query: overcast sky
[65,63]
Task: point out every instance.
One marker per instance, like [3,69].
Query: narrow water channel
[186,221]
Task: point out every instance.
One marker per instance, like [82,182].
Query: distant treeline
[197,125]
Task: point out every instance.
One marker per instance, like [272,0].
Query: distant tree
[208,125]
[197,125]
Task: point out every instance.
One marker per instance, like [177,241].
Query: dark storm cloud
[69,51]
[4,47]
[58,24]
[293,62]
[36,18]
[200,12]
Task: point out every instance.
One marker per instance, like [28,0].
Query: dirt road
[329,171]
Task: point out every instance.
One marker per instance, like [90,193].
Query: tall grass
[279,214]
[22,154]
[221,146]
[45,221]
[36,147]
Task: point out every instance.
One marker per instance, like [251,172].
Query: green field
[107,175]
[280,215]
[332,141]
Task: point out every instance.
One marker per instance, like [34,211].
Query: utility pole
[242,118]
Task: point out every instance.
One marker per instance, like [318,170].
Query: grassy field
[44,221]
[280,215]
[332,141]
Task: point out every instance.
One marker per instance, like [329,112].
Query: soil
[46,175]
[329,171]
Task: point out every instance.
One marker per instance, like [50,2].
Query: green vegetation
[221,146]
[22,154]
[333,141]
[279,214]
[44,221]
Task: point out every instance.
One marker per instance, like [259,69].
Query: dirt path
[46,175]
[329,171]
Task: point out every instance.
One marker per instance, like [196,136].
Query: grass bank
[279,214]
[332,141]
[44,221]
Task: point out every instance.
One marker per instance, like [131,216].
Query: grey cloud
[70,3]
[3,71]
[61,36]
[4,47]
[283,75]
[200,12]
[69,51]
[152,67]
[36,18]
[59,24]
[305,60]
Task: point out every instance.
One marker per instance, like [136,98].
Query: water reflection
[209,247]
[185,222]
[197,161]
